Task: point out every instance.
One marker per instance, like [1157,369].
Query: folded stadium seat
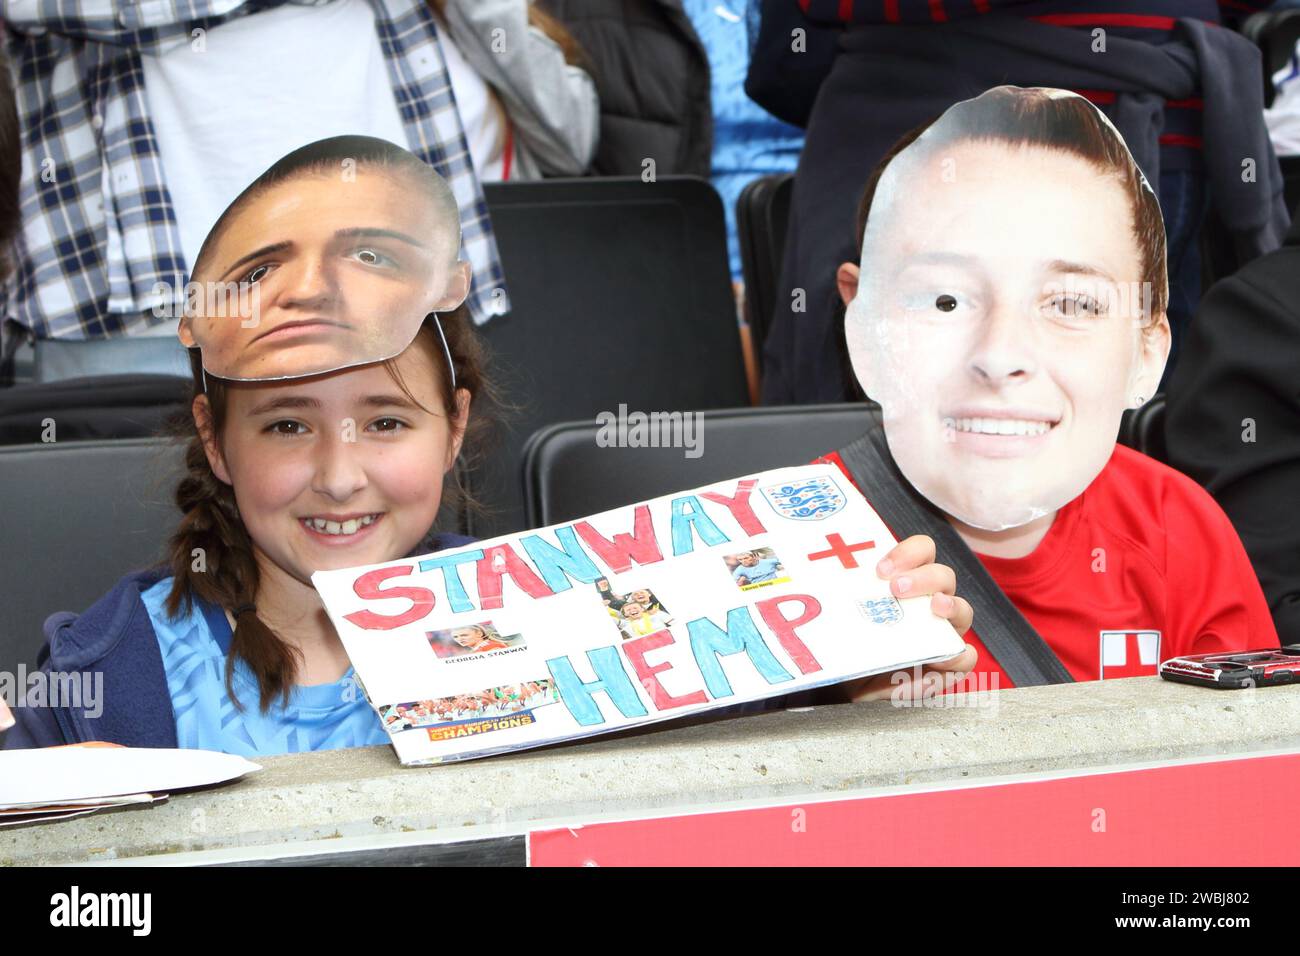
[619,295]
[566,474]
[762,215]
[125,387]
[99,407]
[1143,428]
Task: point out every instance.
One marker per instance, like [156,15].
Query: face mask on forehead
[317,274]
[999,300]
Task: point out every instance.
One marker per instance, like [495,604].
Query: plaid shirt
[99,230]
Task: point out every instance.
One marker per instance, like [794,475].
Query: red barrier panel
[1210,813]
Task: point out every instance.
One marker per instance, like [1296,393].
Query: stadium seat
[619,295]
[77,516]
[762,214]
[1143,428]
[567,474]
[99,407]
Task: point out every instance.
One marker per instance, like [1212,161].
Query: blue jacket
[115,638]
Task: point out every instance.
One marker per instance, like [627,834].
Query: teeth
[351,526]
[998,426]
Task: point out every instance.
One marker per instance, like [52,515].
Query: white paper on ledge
[55,776]
[714,643]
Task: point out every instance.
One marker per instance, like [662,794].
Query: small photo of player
[636,613]
[757,568]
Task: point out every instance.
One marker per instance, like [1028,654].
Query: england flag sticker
[1129,654]
[809,500]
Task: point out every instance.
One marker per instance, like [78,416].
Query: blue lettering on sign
[610,678]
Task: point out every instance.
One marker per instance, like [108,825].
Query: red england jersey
[1141,567]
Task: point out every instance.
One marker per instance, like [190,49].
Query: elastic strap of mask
[451,366]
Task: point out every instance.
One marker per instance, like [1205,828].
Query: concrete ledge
[347,794]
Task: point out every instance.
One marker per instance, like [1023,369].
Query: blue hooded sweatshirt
[115,638]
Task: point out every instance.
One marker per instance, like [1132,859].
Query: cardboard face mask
[321,272]
[1006,311]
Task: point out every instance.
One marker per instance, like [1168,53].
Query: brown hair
[211,526]
[1049,120]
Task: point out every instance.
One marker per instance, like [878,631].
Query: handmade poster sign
[338,272]
[1009,304]
[748,589]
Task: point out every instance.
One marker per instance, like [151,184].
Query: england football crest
[1129,654]
[882,610]
[809,500]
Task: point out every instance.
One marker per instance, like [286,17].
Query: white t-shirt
[481,113]
[229,104]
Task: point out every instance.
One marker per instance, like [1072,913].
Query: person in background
[528,107]
[141,122]
[1233,417]
[748,141]
[11,164]
[1283,117]
[671,81]
[1183,92]
[652,76]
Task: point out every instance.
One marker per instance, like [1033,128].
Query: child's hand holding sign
[910,569]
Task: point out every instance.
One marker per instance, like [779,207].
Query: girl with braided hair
[331,404]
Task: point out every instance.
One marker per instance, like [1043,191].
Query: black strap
[1011,639]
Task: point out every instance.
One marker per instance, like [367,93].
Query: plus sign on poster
[748,589]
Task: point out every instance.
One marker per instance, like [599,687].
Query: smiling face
[337,470]
[316,274]
[632,610]
[998,321]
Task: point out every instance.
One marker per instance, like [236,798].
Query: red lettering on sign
[739,506]
[636,650]
[640,546]
[496,563]
[783,627]
[367,588]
